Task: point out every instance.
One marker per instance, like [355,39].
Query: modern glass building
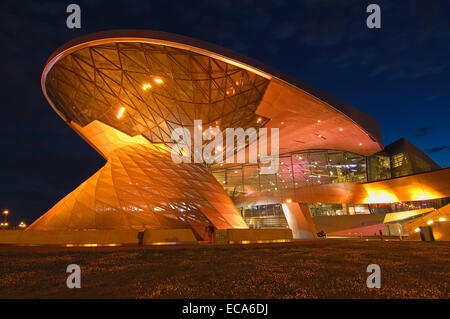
[125,92]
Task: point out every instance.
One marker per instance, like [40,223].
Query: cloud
[423,131]
[438,149]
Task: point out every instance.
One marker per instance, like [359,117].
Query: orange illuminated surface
[425,186]
[300,111]
[379,196]
[392,217]
[437,220]
[140,187]
[127,106]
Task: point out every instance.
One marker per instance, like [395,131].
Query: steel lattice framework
[140,187]
[160,87]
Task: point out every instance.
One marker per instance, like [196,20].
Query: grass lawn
[329,268]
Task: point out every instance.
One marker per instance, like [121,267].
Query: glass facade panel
[379,167]
[251,173]
[321,209]
[272,216]
[265,216]
[295,170]
[404,206]
[234,182]
[284,176]
[401,165]
[268,182]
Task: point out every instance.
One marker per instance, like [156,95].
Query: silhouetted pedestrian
[141,238]
[211,231]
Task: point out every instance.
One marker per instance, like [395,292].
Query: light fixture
[158,80]
[259,120]
[442,219]
[120,112]
[417,230]
[146,86]
[288,200]
[318,121]
[430,222]
[341,129]
[360,144]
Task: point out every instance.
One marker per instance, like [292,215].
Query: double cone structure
[140,187]
[125,96]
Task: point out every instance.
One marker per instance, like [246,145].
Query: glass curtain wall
[296,169]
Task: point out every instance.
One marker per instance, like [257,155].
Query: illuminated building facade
[124,92]
[318,167]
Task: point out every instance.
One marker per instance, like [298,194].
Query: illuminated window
[398,159]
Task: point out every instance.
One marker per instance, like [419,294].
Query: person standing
[211,232]
[141,238]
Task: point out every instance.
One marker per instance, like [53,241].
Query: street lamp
[5,214]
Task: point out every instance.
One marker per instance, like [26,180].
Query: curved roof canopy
[148,83]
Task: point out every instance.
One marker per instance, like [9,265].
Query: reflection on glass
[296,169]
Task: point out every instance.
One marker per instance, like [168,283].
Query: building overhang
[307,118]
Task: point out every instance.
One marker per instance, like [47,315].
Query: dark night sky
[398,74]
